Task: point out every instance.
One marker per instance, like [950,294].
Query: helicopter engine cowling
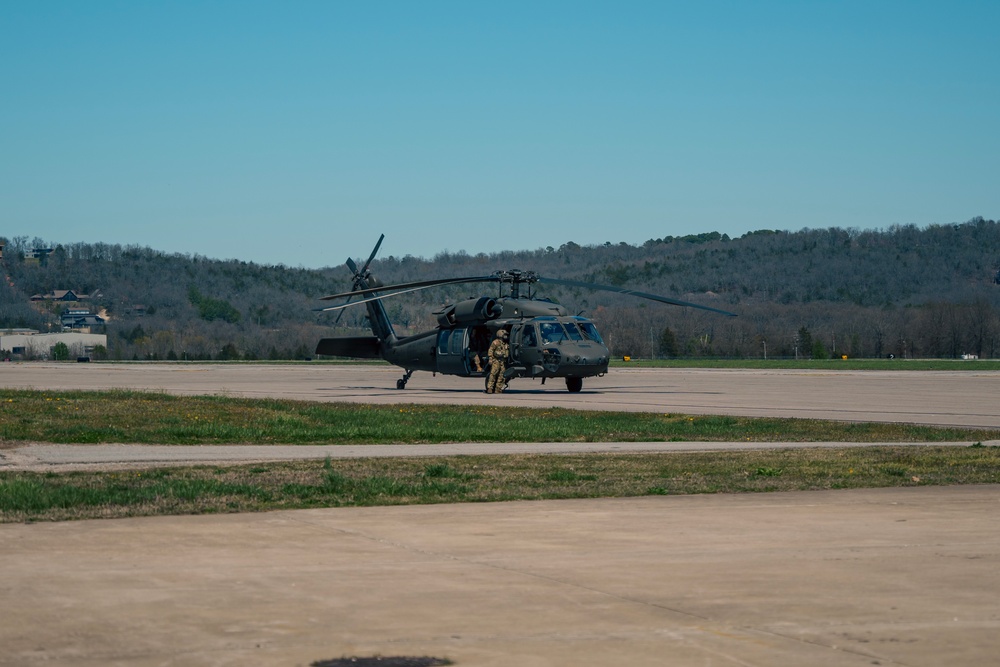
[470,311]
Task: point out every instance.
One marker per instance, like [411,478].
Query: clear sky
[296,132]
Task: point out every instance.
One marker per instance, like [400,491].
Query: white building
[40,345]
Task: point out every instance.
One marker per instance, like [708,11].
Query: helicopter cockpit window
[528,338]
[574,333]
[443,342]
[590,332]
[551,332]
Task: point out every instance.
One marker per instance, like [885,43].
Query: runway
[942,398]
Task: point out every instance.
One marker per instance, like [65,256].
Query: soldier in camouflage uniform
[497,355]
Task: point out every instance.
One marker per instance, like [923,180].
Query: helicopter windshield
[551,332]
[574,333]
[590,332]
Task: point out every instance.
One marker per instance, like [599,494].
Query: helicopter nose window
[590,332]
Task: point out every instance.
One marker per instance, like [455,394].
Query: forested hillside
[906,291]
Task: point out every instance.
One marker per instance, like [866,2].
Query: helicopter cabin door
[453,352]
[524,347]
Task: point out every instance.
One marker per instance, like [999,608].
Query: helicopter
[545,340]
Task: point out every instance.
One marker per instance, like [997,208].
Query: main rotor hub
[516,278]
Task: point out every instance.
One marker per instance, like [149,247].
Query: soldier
[499,349]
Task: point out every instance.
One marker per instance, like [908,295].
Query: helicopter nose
[589,361]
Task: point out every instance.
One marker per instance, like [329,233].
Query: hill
[907,291]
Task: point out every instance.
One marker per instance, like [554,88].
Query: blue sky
[296,132]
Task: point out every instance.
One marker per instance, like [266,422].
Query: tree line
[903,291]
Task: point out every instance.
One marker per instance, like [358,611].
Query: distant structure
[61,295]
[1,249]
[38,345]
[39,255]
[80,319]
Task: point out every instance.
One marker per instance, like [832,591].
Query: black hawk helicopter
[546,341]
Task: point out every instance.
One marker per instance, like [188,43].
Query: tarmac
[966,398]
[906,576]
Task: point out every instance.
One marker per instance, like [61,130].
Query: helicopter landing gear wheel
[401,383]
[574,384]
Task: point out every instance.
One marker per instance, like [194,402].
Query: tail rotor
[362,275]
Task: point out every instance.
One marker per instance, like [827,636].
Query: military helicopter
[546,341]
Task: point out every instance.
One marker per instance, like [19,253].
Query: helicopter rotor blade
[643,295]
[354,269]
[516,278]
[376,297]
[372,256]
[421,284]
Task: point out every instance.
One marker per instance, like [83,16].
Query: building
[61,295]
[80,318]
[39,255]
[39,346]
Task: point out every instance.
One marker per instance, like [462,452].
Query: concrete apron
[893,576]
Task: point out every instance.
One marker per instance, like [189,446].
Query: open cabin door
[456,349]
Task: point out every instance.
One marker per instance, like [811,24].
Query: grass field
[380,481]
[156,418]
[139,417]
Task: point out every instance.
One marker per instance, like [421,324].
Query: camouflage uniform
[497,355]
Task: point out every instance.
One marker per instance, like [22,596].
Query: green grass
[153,418]
[140,417]
[26,496]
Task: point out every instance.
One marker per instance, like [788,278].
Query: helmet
[502,334]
